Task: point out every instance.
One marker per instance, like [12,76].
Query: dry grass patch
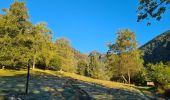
[11,72]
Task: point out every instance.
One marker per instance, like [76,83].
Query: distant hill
[158,49]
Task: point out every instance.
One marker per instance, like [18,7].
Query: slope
[158,49]
[46,85]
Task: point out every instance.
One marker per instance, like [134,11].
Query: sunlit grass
[11,72]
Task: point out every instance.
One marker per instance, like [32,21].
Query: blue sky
[90,24]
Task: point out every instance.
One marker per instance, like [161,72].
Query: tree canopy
[124,59]
[152,9]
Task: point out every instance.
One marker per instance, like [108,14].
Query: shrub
[81,67]
[55,63]
[159,74]
[140,78]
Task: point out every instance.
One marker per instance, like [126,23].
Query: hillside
[158,49]
[45,85]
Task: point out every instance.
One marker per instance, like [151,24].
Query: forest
[124,62]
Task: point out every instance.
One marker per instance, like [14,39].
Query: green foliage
[93,67]
[42,47]
[152,9]
[82,67]
[159,74]
[124,60]
[126,41]
[55,63]
[141,77]
[14,27]
[20,40]
[66,53]
[96,68]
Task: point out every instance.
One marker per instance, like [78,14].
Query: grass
[12,72]
[45,84]
[109,84]
[144,91]
[105,83]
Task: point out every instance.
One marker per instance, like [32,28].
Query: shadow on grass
[151,93]
[45,87]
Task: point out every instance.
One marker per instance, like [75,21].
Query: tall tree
[15,35]
[66,53]
[123,57]
[42,47]
[82,67]
[93,65]
[20,40]
[96,68]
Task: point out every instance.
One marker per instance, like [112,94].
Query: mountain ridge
[157,49]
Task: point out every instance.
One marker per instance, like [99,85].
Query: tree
[82,67]
[55,63]
[141,77]
[124,60]
[96,68]
[93,66]
[21,41]
[66,53]
[42,47]
[15,36]
[152,9]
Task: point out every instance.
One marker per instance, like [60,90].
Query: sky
[91,24]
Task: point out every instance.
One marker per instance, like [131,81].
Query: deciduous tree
[124,60]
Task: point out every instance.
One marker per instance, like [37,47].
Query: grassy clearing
[105,83]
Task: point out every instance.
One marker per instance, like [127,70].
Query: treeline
[20,41]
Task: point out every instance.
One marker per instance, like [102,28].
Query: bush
[55,63]
[81,67]
[159,74]
[140,78]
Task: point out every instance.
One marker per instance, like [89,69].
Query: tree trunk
[129,76]
[124,79]
[33,66]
